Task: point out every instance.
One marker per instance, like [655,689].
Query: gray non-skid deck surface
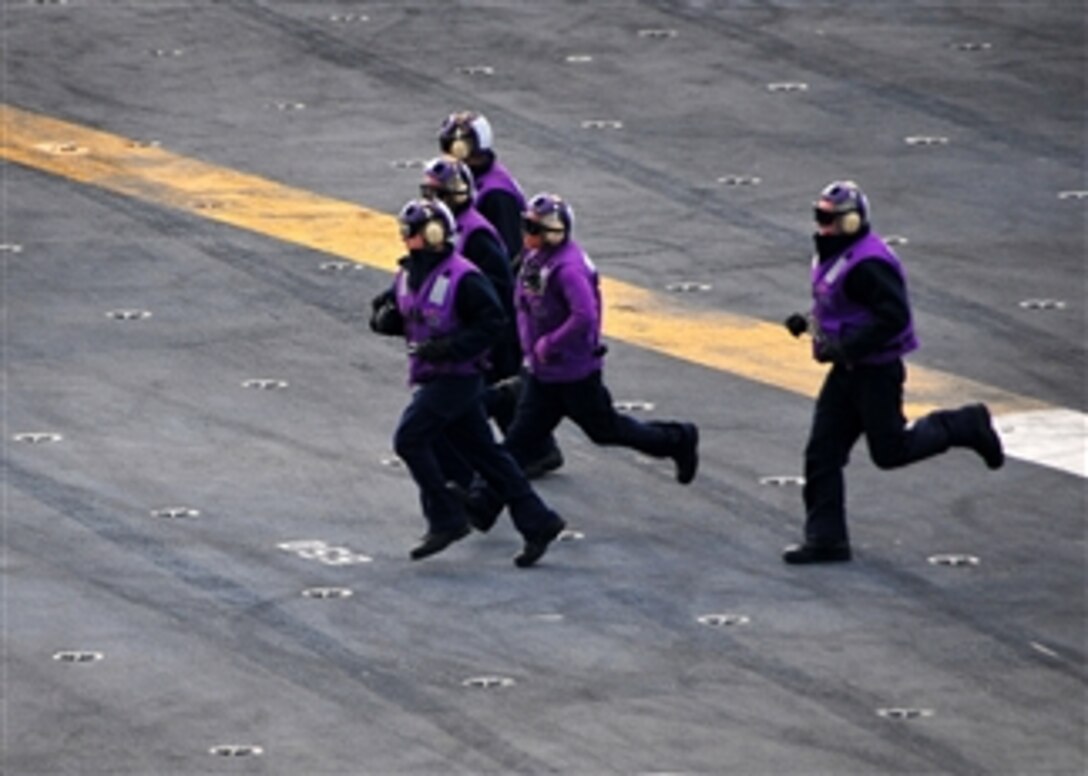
[205,636]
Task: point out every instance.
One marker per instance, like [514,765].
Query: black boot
[548,462]
[972,427]
[537,545]
[687,452]
[434,542]
[803,554]
[482,511]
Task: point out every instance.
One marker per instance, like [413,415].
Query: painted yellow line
[152,174]
[750,348]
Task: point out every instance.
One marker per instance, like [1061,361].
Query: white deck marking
[1057,438]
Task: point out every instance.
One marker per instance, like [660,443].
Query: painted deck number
[330,555]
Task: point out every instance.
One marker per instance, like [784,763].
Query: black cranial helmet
[845,202]
[450,180]
[464,133]
[548,214]
[430,218]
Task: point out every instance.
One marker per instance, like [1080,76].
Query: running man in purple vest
[861,324]
[558,301]
[467,136]
[450,316]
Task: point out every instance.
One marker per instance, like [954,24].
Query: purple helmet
[429,217]
[846,197]
[463,133]
[449,179]
[550,211]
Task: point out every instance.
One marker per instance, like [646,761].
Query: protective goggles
[532,227]
[825,217]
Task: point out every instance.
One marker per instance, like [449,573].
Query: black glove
[384,298]
[829,351]
[386,319]
[797,324]
[384,315]
[437,349]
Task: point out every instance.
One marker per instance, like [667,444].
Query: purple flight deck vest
[836,314]
[508,225]
[429,312]
[544,313]
[470,221]
[498,177]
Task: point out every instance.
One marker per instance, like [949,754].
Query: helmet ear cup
[554,238]
[434,233]
[850,222]
[461,148]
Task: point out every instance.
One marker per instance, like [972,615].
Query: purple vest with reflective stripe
[470,221]
[542,310]
[498,177]
[837,315]
[429,312]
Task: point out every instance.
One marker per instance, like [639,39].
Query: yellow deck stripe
[753,349]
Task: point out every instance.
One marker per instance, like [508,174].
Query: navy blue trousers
[446,418]
[854,401]
[588,403]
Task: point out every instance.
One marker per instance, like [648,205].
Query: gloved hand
[829,351]
[436,349]
[388,296]
[796,324]
[384,314]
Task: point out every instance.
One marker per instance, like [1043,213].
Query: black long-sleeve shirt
[501,208]
[490,256]
[879,287]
